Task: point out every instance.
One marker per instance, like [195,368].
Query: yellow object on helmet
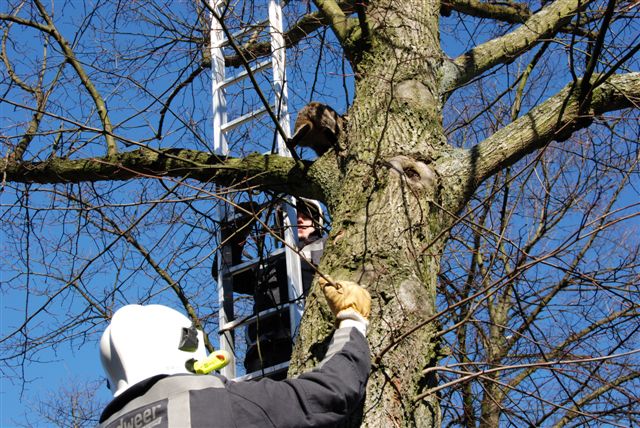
[215,361]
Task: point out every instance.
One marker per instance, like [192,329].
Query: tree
[71,406]
[483,199]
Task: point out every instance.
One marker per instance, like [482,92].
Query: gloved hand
[348,301]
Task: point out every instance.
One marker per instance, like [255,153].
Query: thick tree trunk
[386,229]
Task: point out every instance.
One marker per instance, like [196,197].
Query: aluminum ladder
[229,322]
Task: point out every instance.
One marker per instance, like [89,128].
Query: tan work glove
[348,301]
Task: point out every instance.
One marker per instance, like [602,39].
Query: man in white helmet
[150,354]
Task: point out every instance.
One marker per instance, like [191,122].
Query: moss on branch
[271,172]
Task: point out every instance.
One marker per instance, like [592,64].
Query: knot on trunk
[418,175]
[413,94]
[411,295]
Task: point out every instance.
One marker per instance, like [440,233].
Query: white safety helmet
[312,209]
[144,341]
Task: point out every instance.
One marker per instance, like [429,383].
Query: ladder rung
[234,270]
[247,320]
[260,26]
[258,67]
[242,119]
[237,216]
[263,372]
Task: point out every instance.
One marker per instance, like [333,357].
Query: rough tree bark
[402,184]
[386,224]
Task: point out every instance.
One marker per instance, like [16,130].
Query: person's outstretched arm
[329,393]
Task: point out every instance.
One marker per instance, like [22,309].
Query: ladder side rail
[278,60]
[226,311]
[220,147]
[294,274]
[216,37]
[278,57]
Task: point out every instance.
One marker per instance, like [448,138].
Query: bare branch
[36,91]
[162,273]
[469,375]
[505,49]
[297,32]
[555,119]
[101,107]
[594,56]
[338,20]
[573,412]
[511,12]
[167,104]
[273,172]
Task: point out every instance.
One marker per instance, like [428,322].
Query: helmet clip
[189,339]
